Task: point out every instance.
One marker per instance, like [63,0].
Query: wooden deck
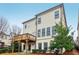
[26,36]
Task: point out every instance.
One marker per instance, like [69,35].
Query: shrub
[3,50]
[44,51]
[34,51]
[38,51]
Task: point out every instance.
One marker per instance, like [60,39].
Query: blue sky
[18,13]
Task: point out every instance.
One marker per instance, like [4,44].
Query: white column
[22,47]
[31,47]
[26,46]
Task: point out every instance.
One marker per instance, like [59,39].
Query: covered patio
[26,42]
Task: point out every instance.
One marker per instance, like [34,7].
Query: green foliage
[16,46]
[3,49]
[38,51]
[62,39]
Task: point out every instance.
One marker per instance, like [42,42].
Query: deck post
[12,45]
[26,46]
[22,47]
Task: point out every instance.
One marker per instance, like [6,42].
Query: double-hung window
[39,20]
[39,33]
[25,26]
[45,45]
[39,45]
[56,14]
[43,32]
[53,30]
[48,31]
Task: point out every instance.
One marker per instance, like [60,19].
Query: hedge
[5,49]
[2,50]
[38,51]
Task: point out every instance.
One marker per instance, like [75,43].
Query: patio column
[26,46]
[12,46]
[22,47]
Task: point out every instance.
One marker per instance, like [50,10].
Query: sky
[18,13]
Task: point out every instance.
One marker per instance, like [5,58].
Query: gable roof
[29,20]
[53,8]
[58,6]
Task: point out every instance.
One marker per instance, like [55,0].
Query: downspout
[36,33]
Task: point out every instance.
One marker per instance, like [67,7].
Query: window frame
[56,14]
[39,20]
[43,32]
[48,31]
[39,32]
[39,45]
[53,30]
[25,26]
[45,45]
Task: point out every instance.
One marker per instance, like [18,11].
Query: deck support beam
[26,46]
[12,45]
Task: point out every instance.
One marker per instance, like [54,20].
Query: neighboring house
[42,26]
[1,44]
[4,38]
[77,41]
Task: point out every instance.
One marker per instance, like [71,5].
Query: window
[39,31]
[45,45]
[53,30]
[48,31]
[43,32]
[25,26]
[39,20]
[56,14]
[39,45]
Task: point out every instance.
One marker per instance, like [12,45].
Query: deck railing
[24,37]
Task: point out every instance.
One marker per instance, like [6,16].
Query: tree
[62,39]
[3,25]
[14,30]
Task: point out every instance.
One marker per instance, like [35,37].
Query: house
[1,44]
[77,41]
[39,31]
[42,26]
[5,40]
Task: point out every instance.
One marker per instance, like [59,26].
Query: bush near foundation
[3,50]
[38,51]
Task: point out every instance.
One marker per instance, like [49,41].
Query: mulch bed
[73,52]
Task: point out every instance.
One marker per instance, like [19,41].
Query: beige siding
[6,40]
[48,40]
[48,20]
[31,27]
